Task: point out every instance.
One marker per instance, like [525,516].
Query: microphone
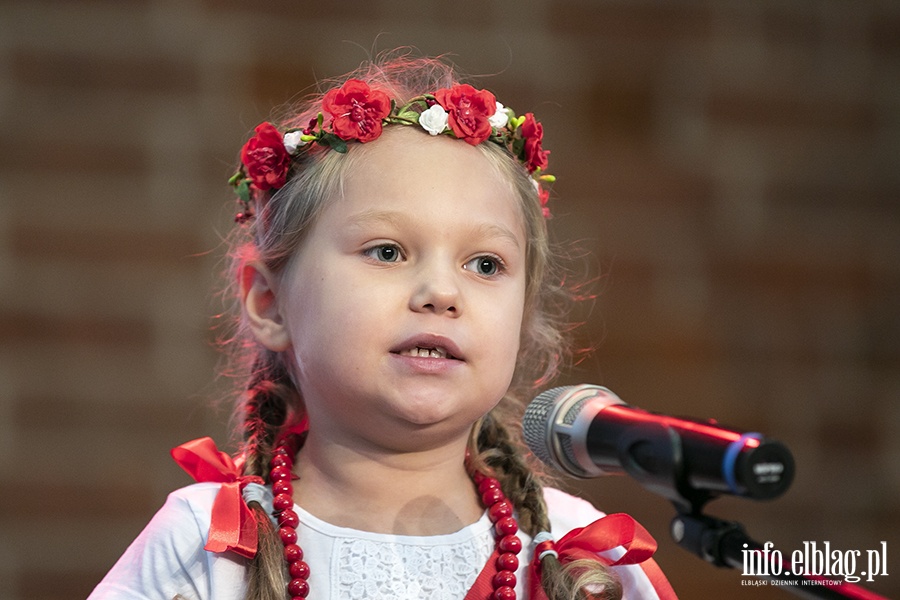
[587,431]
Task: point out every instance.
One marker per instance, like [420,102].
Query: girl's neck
[422,493]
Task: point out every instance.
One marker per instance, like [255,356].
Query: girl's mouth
[420,352]
[429,345]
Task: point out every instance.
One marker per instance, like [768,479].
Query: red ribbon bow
[604,534]
[232,526]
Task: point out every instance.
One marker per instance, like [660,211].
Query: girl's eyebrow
[490,230]
[374,217]
[396,218]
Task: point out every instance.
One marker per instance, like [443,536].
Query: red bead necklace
[500,511]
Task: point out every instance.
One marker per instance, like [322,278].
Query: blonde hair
[270,403]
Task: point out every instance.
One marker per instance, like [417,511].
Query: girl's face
[404,304]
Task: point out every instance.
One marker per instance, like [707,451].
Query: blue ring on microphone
[729,461]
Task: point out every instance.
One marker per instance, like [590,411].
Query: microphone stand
[652,454]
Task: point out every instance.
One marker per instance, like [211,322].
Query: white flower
[292,141]
[500,117]
[434,120]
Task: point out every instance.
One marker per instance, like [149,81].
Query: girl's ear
[261,307]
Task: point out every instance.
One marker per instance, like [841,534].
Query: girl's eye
[385,253]
[486,266]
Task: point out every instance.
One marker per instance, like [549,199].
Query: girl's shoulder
[185,515]
[195,499]
[167,558]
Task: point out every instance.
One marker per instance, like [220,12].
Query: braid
[266,579]
[500,450]
[267,409]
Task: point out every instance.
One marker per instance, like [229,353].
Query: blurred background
[732,169]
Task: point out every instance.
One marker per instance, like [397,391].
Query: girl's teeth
[427,352]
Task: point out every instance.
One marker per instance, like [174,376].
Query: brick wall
[731,167]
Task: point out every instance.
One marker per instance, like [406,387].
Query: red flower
[468,110]
[265,158]
[357,110]
[535,155]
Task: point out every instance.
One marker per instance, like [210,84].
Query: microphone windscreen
[556,424]
[536,424]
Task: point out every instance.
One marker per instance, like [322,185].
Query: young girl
[397,297]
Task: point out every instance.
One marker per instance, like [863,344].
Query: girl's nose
[437,291]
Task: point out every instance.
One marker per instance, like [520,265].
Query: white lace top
[371,565]
[167,559]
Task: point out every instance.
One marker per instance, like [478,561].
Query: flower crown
[358,112]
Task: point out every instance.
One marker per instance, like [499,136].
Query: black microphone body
[587,431]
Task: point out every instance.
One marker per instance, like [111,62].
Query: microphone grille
[537,424]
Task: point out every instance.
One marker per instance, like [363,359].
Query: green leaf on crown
[409,116]
[334,142]
[243,190]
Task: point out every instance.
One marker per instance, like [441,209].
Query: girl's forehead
[402,155]
[415,148]
[408,171]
